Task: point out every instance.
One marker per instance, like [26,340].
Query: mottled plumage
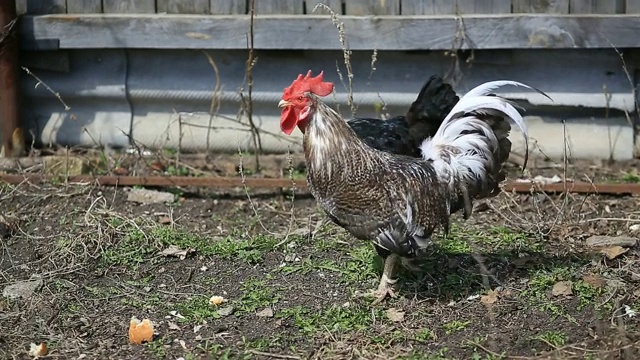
[398,201]
[358,195]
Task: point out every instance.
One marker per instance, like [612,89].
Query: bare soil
[515,280]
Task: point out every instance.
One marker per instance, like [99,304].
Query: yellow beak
[283,103]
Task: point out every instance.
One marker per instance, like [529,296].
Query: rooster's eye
[301,98]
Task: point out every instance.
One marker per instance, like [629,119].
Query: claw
[385,288]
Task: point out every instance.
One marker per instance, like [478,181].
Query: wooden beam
[182,7]
[154,31]
[275,183]
[84,6]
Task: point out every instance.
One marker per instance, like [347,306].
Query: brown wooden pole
[278,183]
[11,132]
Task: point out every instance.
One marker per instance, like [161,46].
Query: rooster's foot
[385,288]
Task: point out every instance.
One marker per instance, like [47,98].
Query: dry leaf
[614,251]
[593,280]
[140,331]
[562,288]
[120,171]
[267,312]
[157,166]
[173,326]
[176,314]
[165,220]
[38,350]
[395,315]
[490,298]
[217,300]
[176,251]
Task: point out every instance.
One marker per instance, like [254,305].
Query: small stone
[226,311]
[562,288]
[146,196]
[266,312]
[22,289]
[395,315]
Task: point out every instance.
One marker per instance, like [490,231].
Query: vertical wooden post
[9,78]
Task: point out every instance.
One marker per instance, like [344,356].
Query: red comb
[314,85]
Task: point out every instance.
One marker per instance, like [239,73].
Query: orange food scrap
[38,350]
[217,300]
[140,331]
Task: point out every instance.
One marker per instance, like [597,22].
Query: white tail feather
[468,157]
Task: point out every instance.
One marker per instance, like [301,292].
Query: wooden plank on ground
[335,5]
[182,7]
[231,7]
[633,6]
[152,31]
[484,7]
[596,6]
[84,6]
[372,7]
[541,6]
[34,7]
[279,7]
[129,6]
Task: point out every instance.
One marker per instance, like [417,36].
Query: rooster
[398,201]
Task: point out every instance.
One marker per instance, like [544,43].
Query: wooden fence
[124,69]
[345,7]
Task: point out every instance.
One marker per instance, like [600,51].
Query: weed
[197,309]
[256,295]
[424,335]
[441,354]
[150,302]
[177,170]
[139,245]
[157,348]
[337,319]
[493,238]
[552,338]
[455,326]
[587,294]
[631,177]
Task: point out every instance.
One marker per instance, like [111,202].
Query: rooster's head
[296,101]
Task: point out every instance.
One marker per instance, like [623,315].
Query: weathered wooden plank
[182,7]
[129,6]
[34,7]
[335,5]
[540,6]
[372,7]
[223,7]
[484,7]
[633,6]
[596,6]
[153,31]
[279,7]
[84,6]
[428,7]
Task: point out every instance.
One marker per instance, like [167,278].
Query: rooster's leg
[385,287]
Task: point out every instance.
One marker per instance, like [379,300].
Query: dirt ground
[516,280]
